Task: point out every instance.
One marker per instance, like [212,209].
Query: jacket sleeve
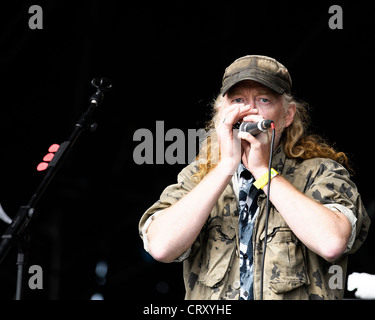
[331,185]
[169,196]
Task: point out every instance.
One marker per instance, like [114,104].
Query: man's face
[264,103]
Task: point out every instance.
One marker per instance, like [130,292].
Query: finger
[253,118]
[260,138]
[235,113]
[247,137]
[246,146]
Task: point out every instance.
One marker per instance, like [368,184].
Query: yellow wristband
[263,180]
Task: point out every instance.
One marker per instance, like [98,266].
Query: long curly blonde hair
[297,142]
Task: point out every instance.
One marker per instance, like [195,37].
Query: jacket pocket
[285,262]
[218,254]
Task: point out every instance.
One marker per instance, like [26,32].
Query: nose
[253,108]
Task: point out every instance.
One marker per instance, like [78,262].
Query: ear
[289,116]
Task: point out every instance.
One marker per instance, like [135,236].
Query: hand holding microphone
[256,149]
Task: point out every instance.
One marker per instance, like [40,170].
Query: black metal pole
[25,213]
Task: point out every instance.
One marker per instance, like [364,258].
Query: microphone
[255,128]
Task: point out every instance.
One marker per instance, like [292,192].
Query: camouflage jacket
[292,271]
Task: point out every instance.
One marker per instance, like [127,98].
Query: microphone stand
[16,229]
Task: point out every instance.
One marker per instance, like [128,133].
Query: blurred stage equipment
[17,229]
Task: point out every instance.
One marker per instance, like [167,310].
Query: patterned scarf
[248,208]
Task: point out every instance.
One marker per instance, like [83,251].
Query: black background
[166,61]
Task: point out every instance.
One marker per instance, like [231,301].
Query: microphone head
[266,124]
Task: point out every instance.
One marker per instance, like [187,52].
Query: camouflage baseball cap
[262,69]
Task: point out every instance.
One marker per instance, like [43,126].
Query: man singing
[214,218]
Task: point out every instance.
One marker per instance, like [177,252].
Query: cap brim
[269,84]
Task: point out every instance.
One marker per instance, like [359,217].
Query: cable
[267,209]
